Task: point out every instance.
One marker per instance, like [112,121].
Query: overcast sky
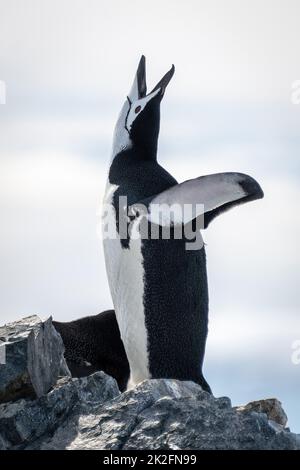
[68,66]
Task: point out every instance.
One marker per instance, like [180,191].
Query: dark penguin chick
[93,343]
[158,285]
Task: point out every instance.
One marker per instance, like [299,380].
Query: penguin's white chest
[125,273]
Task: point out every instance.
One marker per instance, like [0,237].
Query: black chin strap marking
[130,103]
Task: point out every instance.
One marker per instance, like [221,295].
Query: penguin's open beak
[139,86]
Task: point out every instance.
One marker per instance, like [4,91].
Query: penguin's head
[138,123]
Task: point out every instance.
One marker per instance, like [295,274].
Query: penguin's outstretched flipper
[206,196]
[93,343]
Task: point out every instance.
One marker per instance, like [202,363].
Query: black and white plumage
[159,288]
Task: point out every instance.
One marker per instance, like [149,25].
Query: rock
[90,412]
[32,358]
[24,422]
[111,426]
[167,414]
[271,407]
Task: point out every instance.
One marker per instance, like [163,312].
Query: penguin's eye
[137,109]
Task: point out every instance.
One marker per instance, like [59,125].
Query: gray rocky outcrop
[32,358]
[91,413]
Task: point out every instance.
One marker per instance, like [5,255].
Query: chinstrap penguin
[159,288]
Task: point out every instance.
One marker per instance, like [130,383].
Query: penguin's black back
[176,309]
[93,343]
